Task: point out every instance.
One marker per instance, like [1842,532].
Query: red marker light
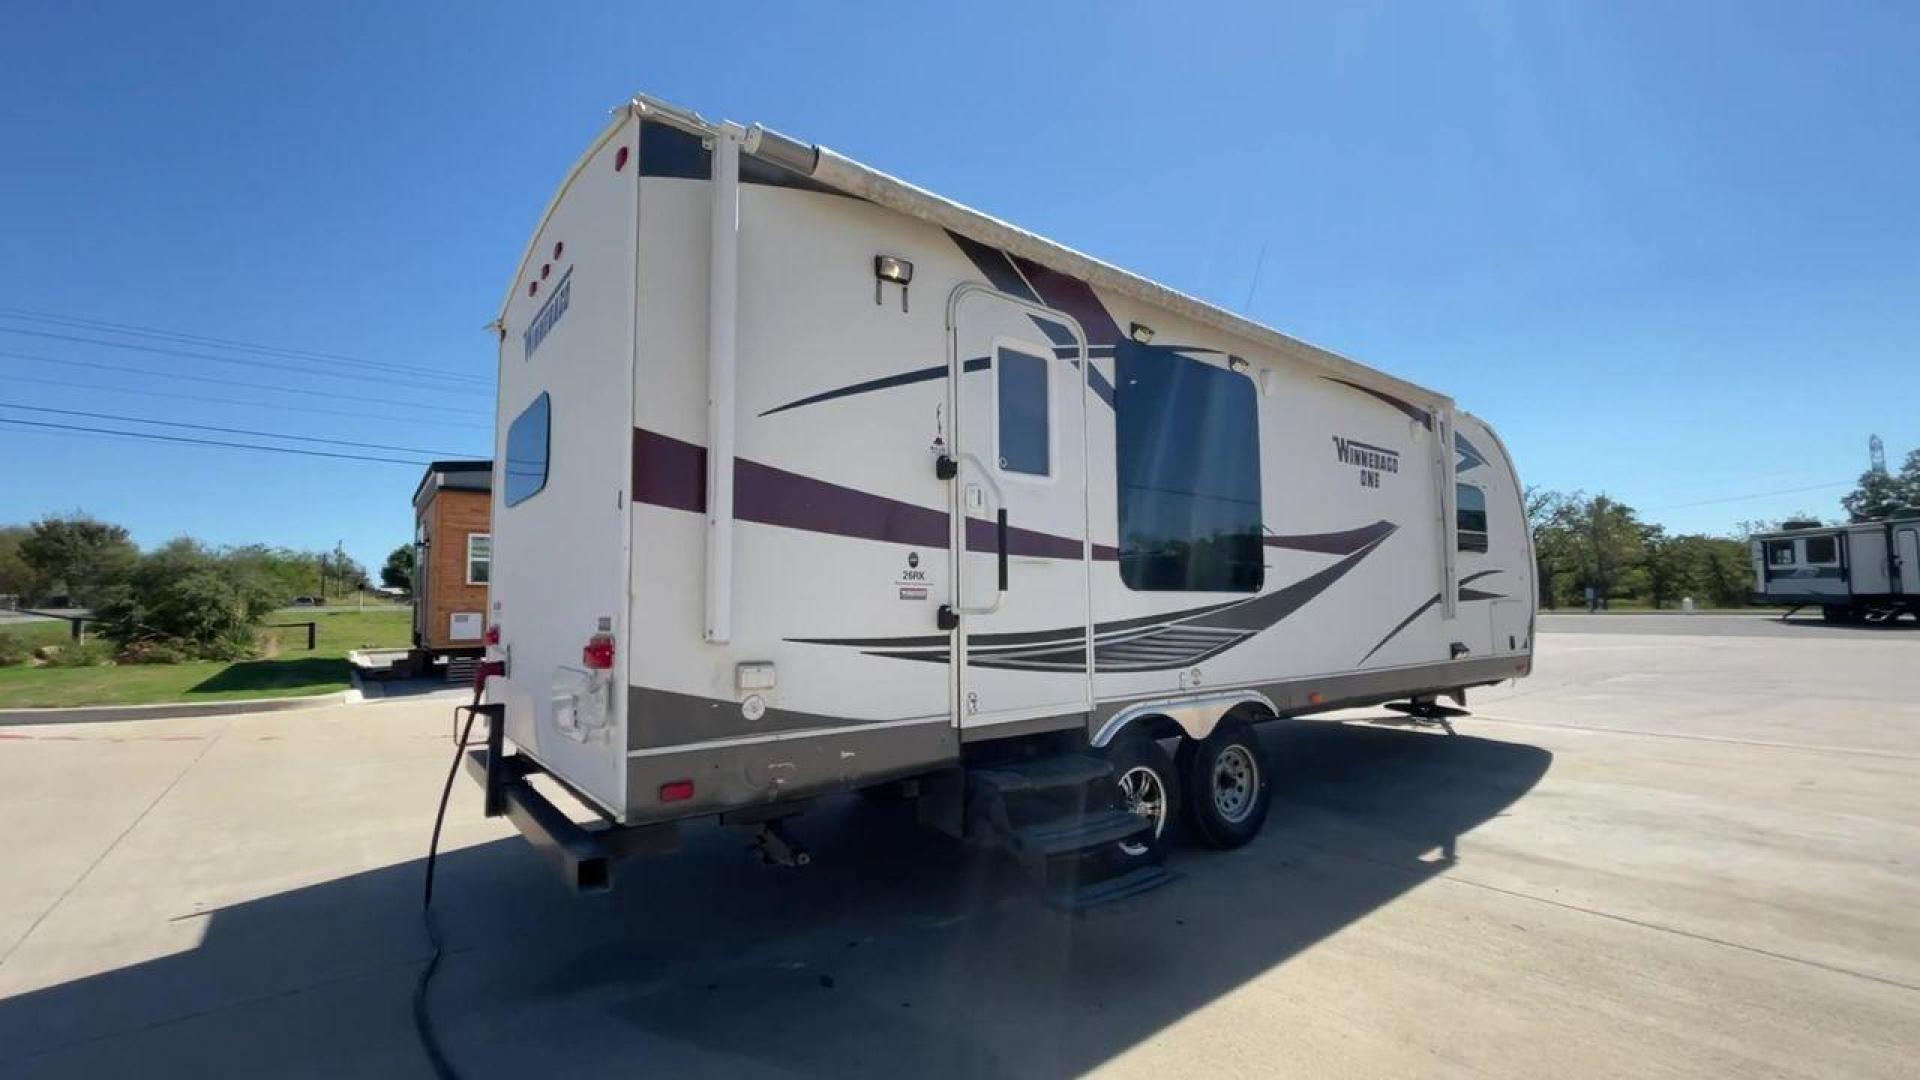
[677,791]
[558,247]
[598,655]
[620,159]
[492,636]
[532,287]
[545,269]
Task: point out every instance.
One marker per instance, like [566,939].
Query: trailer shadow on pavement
[896,953]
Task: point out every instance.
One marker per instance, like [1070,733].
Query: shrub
[90,653]
[153,652]
[185,598]
[12,650]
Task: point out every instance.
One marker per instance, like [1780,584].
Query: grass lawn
[290,672]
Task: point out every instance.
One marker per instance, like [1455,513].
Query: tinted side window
[1822,549]
[1025,439]
[526,465]
[1187,443]
[1470,517]
[1780,552]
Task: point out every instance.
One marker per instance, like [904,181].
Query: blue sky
[1671,251]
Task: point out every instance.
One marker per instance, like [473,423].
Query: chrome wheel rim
[1236,784]
[1142,793]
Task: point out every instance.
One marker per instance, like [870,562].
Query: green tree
[16,577]
[1880,493]
[398,571]
[88,557]
[1583,540]
[1668,563]
[1546,511]
[339,570]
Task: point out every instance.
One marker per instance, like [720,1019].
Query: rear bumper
[582,853]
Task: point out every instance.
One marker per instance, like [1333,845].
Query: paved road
[1682,855]
[1756,624]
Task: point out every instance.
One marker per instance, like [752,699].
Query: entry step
[1039,774]
[1041,841]
[1111,890]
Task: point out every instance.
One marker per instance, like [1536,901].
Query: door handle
[1000,530]
[1000,542]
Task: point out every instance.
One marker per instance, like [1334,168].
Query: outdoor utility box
[453,556]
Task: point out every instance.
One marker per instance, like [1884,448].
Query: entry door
[1018,392]
[1907,543]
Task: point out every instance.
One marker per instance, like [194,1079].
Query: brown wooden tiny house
[453,556]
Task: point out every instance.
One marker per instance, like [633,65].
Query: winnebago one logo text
[550,313]
[1372,460]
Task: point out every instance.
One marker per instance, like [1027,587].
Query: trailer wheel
[1228,784]
[1148,783]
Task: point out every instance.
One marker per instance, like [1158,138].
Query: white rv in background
[1868,571]
[809,480]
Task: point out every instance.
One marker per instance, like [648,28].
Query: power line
[332,395]
[1753,495]
[304,410]
[207,442]
[295,368]
[135,330]
[232,430]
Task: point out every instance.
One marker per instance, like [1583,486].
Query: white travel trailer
[1868,571]
[810,480]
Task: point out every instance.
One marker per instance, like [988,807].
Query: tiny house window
[479,558]
[1470,517]
[1779,553]
[1024,410]
[1822,550]
[527,441]
[1187,469]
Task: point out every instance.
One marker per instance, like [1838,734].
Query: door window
[1023,412]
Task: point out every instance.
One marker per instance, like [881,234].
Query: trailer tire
[1228,785]
[1146,779]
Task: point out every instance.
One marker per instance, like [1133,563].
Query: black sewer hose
[422,1019]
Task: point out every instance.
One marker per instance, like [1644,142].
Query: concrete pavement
[1664,855]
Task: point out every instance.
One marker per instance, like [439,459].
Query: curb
[87,714]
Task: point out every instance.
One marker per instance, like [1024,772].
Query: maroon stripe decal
[668,472]
[671,473]
[1075,297]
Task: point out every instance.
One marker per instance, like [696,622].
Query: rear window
[527,441]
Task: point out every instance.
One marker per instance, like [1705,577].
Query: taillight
[492,636]
[677,791]
[598,655]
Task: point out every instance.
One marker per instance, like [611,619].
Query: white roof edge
[844,174]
